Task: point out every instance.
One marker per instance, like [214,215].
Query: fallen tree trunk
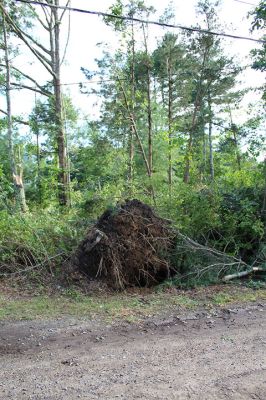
[242,274]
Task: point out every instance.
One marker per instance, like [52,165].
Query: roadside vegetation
[132,306]
[168,134]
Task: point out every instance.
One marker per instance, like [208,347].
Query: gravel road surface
[218,354]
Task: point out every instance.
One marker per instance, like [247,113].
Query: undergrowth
[38,242]
[227,218]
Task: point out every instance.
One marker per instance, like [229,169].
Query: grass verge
[124,307]
[127,306]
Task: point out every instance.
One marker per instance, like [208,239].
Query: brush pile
[128,246]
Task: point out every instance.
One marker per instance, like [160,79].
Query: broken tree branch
[242,273]
[15,119]
[63,13]
[131,118]
[34,89]
[43,60]
[46,93]
[46,27]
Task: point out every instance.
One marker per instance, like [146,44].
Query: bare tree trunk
[211,151]
[210,141]
[138,138]
[8,104]
[197,105]
[133,100]
[263,210]
[21,189]
[204,156]
[63,178]
[149,107]
[131,160]
[17,179]
[238,158]
[149,115]
[189,146]
[234,131]
[170,123]
[38,155]
[150,144]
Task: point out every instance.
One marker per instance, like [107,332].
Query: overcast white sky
[87,30]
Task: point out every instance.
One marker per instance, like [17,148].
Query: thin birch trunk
[17,179]
[63,178]
[21,189]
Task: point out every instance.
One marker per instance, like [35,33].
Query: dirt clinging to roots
[128,246]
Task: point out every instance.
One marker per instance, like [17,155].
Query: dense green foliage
[259,23]
[168,133]
[37,242]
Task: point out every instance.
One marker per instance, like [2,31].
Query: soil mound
[128,246]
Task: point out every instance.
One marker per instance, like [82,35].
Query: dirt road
[194,355]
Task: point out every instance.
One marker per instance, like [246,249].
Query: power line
[124,18]
[89,82]
[96,81]
[92,81]
[245,2]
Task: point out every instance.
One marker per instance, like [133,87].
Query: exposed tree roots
[128,246]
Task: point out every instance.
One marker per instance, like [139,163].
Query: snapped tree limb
[34,89]
[15,119]
[43,60]
[241,274]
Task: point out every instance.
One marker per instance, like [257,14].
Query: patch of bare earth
[218,354]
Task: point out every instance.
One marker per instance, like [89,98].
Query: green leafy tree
[15,161]
[49,20]
[44,128]
[259,23]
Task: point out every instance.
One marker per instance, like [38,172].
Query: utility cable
[245,2]
[125,18]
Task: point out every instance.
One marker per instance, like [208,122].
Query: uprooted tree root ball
[128,246]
